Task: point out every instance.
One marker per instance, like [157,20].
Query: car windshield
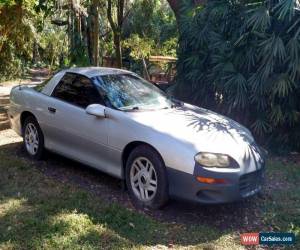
[129,92]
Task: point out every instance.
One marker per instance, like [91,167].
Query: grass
[39,212]
[282,208]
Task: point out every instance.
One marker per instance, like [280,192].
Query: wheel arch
[23,117]
[130,147]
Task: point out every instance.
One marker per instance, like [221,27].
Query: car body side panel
[123,130]
[178,140]
[25,99]
[70,131]
[14,110]
[74,133]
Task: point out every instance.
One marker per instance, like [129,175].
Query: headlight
[215,160]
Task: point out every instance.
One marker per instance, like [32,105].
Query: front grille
[251,183]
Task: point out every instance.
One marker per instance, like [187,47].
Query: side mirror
[96,110]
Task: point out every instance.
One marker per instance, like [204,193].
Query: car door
[71,131]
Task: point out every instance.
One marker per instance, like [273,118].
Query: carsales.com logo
[250,239]
[269,238]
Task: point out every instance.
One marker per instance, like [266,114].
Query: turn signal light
[211,180]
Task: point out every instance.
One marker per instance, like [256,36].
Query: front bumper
[238,186]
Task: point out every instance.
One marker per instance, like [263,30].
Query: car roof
[86,71]
[96,71]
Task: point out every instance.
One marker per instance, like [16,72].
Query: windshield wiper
[177,104]
[131,108]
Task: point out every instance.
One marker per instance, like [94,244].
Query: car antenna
[21,77]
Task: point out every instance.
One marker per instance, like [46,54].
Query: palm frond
[259,19]
[285,9]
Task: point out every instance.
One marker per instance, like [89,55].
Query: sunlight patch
[8,136]
[227,241]
[11,205]
[73,222]
[7,245]
[73,228]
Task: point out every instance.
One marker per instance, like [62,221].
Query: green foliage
[152,24]
[139,47]
[16,36]
[52,42]
[149,29]
[243,59]
[55,34]
[151,19]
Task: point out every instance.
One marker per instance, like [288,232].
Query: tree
[93,32]
[242,59]
[82,21]
[17,21]
[174,4]
[116,25]
[180,7]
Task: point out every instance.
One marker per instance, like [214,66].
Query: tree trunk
[35,54]
[174,4]
[93,33]
[116,28]
[118,50]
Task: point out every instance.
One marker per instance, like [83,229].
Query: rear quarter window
[41,86]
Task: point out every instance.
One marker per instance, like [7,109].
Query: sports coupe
[117,122]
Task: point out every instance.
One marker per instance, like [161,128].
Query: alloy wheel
[31,139]
[143,179]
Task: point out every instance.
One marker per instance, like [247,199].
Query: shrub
[242,58]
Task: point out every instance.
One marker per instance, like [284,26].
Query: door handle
[51,110]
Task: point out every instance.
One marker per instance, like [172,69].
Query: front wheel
[33,138]
[146,178]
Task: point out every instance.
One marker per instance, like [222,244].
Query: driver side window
[77,90]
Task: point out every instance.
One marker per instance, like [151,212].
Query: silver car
[117,122]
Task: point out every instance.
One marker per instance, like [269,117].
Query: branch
[109,16]
[59,22]
[120,12]
[105,34]
[78,9]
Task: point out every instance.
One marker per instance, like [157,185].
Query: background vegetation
[61,33]
[242,58]
[239,58]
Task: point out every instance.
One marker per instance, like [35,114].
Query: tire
[33,138]
[143,167]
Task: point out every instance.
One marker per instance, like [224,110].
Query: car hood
[198,127]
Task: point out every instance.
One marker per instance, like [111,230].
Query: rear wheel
[33,138]
[146,178]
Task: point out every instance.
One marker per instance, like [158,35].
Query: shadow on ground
[45,203]
[58,203]
[243,215]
